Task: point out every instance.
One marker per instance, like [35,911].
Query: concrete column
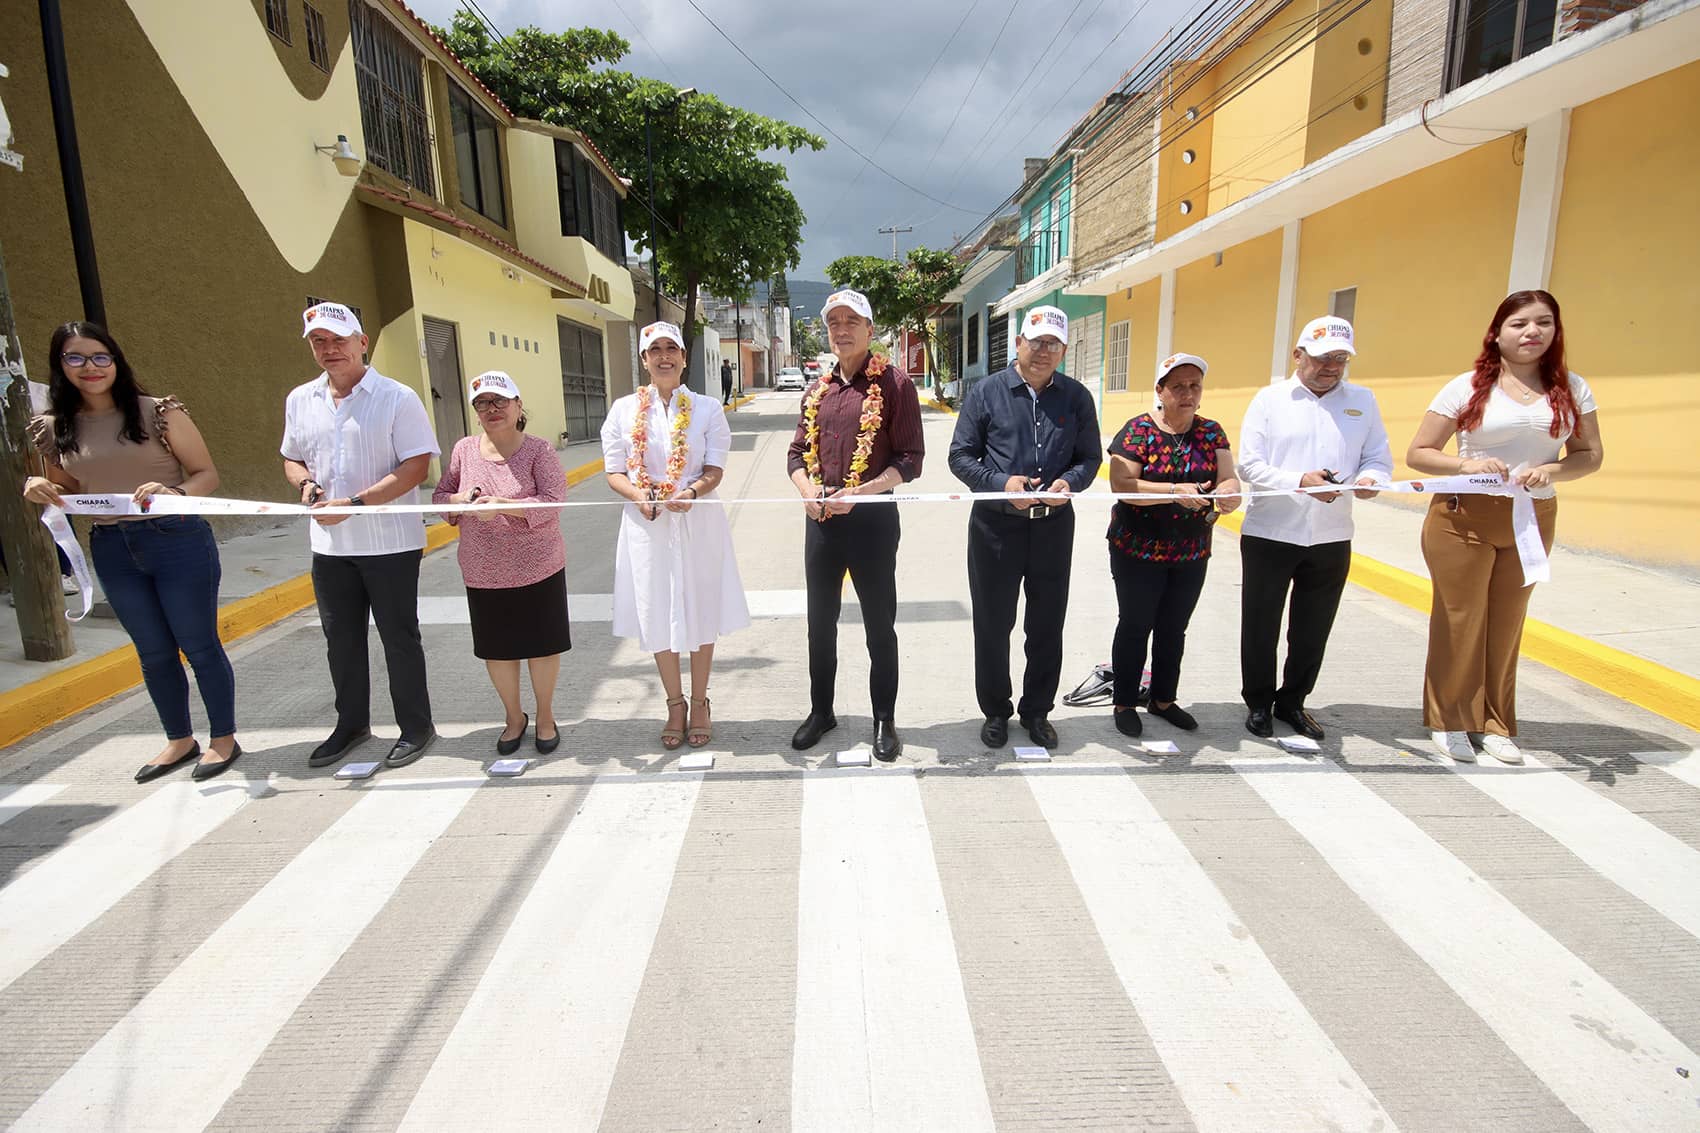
[1286,297]
[1165,318]
[1544,152]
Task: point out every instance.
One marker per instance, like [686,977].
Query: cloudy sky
[1010,84]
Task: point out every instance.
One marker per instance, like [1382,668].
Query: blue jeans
[161,576]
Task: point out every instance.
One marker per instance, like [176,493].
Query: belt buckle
[1038,511]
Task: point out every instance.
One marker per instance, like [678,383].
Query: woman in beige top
[160,572]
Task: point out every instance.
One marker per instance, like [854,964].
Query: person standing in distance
[1310,431]
[353,437]
[860,434]
[1030,427]
[726,381]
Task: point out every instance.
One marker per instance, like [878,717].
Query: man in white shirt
[353,437]
[1309,431]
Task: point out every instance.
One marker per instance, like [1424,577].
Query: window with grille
[318,46]
[590,208]
[277,18]
[997,341]
[389,74]
[478,153]
[584,382]
[1489,34]
[973,339]
[1116,357]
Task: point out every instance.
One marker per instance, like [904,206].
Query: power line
[816,118]
[486,20]
[969,93]
[639,29]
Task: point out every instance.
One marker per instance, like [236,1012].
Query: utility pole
[71,162]
[894,230]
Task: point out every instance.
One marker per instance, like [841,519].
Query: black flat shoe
[207,770]
[1259,723]
[1301,722]
[1127,722]
[406,751]
[1040,730]
[152,771]
[995,731]
[545,746]
[338,744]
[887,744]
[1175,715]
[508,747]
[813,727]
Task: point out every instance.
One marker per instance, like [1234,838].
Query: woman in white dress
[676,584]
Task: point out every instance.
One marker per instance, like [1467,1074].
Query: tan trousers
[1475,627]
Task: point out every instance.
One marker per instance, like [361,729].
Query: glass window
[1489,34]
[318,46]
[277,18]
[390,79]
[478,155]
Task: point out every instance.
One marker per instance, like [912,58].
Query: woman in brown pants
[1512,414]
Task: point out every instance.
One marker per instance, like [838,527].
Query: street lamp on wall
[347,162]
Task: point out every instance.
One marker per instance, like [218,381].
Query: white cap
[1325,336]
[492,381]
[648,335]
[854,300]
[334,317]
[1045,320]
[1174,360]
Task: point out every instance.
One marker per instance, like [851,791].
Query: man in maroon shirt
[842,536]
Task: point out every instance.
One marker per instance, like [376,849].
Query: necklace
[636,468]
[1517,389]
[873,405]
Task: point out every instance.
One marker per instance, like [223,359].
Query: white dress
[676,584]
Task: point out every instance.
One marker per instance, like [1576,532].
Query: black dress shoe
[1127,722]
[545,746]
[887,745]
[338,744]
[206,770]
[508,747]
[1300,721]
[1040,729]
[1258,723]
[995,731]
[152,771]
[1175,715]
[813,727]
[406,751]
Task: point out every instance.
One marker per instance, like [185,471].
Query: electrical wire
[969,93]
[637,27]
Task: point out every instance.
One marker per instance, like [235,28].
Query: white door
[1086,356]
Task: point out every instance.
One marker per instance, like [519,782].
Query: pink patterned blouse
[502,552]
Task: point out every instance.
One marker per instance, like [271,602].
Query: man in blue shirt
[1028,428]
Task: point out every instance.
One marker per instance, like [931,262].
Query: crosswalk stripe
[1241,1048]
[1683,765]
[1625,848]
[537,1045]
[17,798]
[51,903]
[1555,1012]
[883,1037]
[175,1058]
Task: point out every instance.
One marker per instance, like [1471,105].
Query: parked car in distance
[790,378]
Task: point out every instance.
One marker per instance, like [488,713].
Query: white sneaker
[1454,745]
[1502,749]
[68,584]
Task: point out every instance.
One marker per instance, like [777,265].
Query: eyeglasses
[101,359]
[1045,345]
[1339,358]
[491,404]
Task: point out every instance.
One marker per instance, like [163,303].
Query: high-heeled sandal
[671,738]
[707,730]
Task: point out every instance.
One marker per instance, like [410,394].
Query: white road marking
[19,797]
[1683,765]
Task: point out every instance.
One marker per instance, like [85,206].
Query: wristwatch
[356,501]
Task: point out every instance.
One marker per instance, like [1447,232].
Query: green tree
[904,295]
[725,215]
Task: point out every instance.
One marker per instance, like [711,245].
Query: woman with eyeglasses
[512,559]
[103,435]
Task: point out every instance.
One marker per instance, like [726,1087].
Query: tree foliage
[724,214]
[903,295]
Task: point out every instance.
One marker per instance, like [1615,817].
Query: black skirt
[520,622]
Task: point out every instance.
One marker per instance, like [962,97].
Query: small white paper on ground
[357,770]
[510,767]
[697,761]
[1298,745]
[1160,747]
[856,757]
[1033,754]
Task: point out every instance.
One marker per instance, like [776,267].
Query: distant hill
[809,294]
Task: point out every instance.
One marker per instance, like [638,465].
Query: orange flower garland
[636,468]
[873,406]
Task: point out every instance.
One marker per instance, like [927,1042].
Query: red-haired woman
[1513,415]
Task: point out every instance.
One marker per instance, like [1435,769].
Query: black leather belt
[1037,511]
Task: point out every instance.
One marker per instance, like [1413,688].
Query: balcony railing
[1038,253]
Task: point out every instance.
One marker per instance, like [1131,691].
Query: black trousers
[1009,555]
[347,588]
[1154,602]
[1315,577]
[863,541]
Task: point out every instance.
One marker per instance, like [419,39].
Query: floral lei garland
[636,469]
[873,405]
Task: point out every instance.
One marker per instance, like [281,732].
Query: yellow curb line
[937,408]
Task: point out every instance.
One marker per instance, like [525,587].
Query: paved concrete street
[1225,938]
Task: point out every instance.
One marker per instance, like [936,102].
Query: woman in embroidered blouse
[676,584]
[1160,550]
[1512,414]
[104,435]
[512,559]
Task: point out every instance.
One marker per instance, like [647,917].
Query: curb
[42,703]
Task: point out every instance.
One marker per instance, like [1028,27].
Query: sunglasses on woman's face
[101,359]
